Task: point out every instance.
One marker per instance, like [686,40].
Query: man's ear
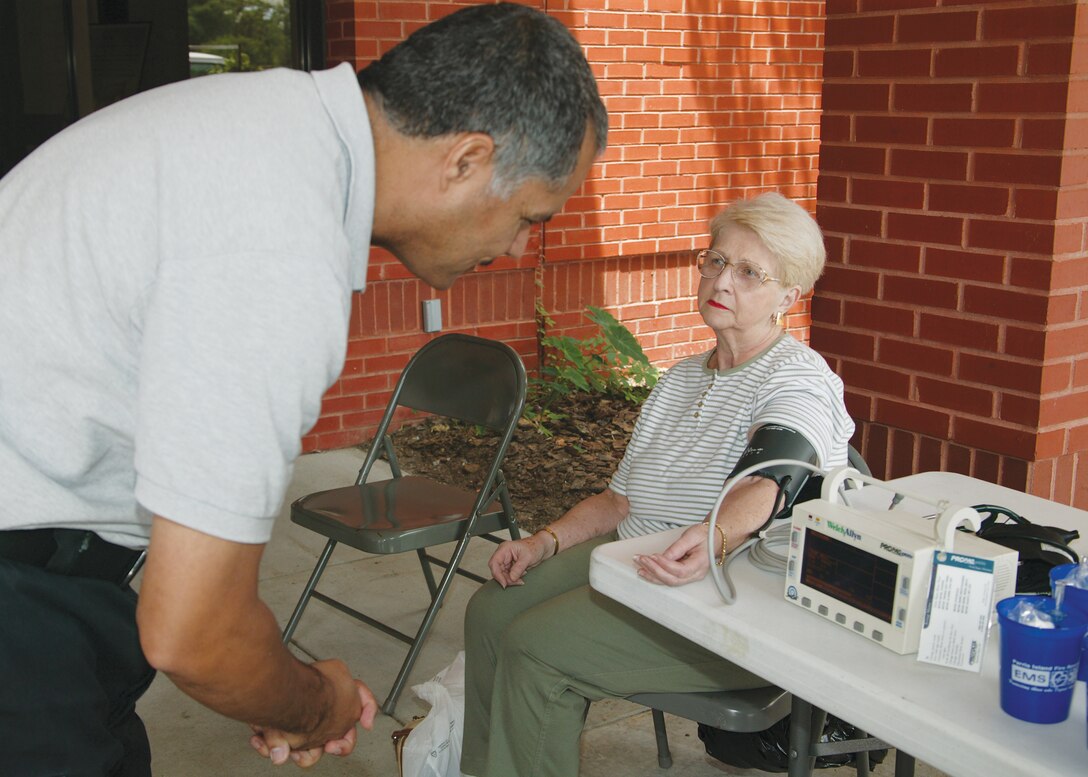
[468,156]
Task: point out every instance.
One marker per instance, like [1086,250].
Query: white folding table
[948,718]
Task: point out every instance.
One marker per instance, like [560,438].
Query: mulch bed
[547,473]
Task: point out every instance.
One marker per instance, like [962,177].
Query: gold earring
[776,319]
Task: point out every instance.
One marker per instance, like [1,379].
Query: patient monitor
[866,563]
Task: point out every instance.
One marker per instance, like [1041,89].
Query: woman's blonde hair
[786,229]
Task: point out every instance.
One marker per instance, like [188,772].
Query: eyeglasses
[746,276]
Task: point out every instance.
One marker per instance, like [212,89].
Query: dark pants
[71,670]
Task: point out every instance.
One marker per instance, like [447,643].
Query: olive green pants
[536,655]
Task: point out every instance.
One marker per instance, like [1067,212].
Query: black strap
[993,512]
[73,552]
[775,441]
[1028,533]
[1031,540]
[1040,548]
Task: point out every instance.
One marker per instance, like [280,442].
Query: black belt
[73,552]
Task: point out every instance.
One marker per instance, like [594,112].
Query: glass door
[63,59]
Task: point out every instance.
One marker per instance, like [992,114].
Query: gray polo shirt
[175,287]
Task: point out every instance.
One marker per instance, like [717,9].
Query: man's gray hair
[506,70]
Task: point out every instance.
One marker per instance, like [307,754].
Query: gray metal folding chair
[757,709]
[744,711]
[460,377]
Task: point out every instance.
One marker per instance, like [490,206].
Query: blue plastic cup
[1039,666]
[1084,660]
[1074,597]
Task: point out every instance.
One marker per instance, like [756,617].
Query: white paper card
[961,593]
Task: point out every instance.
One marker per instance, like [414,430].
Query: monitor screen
[849,574]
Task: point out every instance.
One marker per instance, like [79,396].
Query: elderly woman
[540,644]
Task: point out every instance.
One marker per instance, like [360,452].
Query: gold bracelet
[555,538]
[720,561]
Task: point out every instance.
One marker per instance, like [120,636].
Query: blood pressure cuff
[1039,548]
[774,441]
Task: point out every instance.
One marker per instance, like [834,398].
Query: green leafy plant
[610,362]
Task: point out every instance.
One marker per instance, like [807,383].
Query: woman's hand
[594,516]
[740,515]
[685,561]
[513,558]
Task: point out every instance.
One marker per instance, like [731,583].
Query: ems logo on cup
[1061,679]
[1058,678]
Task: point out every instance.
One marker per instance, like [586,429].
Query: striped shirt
[696,423]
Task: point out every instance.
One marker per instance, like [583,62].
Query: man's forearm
[249,675]
[203,625]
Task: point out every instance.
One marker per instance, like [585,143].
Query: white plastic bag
[433,749]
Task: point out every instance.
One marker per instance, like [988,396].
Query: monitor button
[822,609]
[859,627]
[878,636]
[840,618]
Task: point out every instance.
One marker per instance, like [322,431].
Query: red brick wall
[954,191]
[709,101]
[386,328]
